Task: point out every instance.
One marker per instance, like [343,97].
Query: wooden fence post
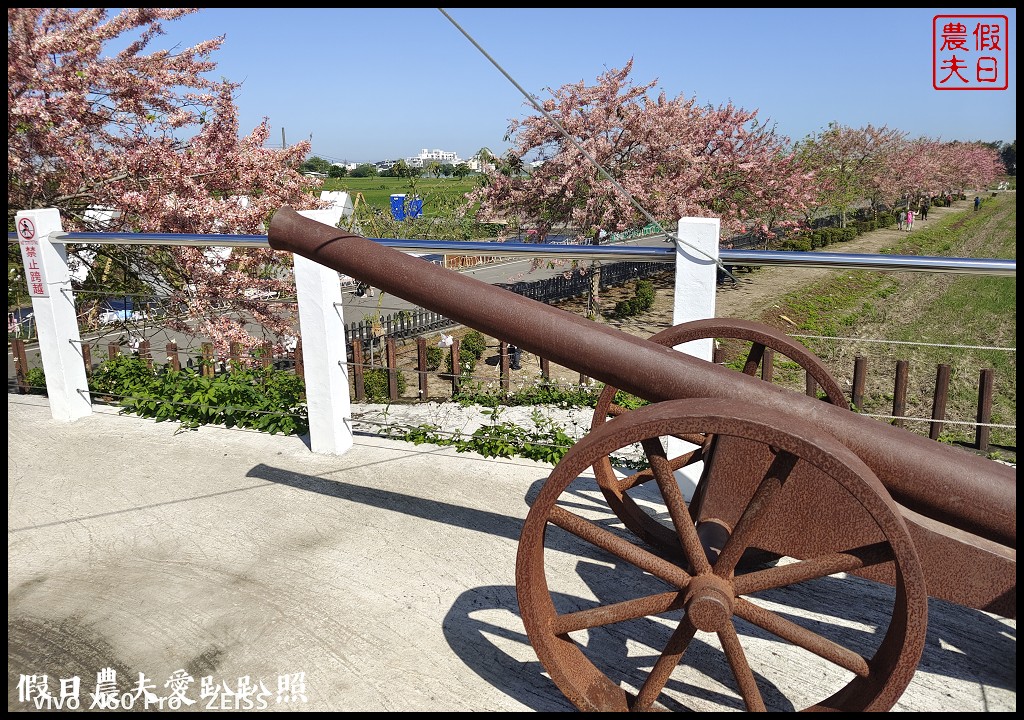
[456,365]
[145,354]
[208,368]
[300,369]
[860,365]
[981,436]
[235,355]
[391,359]
[113,350]
[20,365]
[503,364]
[421,366]
[87,359]
[358,382]
[266,355]
[172,356]
[545,369]
[899,393]
[939,401]
[811,386]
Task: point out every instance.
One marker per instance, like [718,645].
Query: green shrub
[473,344]
[546,442]
[375,383]
[645,293]
[35,378]
[435,356]
[643,299]
[257,398]
[471,349]
[798,243]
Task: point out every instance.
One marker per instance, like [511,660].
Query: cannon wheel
[655,610]
[761,336]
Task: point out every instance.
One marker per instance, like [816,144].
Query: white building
[428,156]
[478,164]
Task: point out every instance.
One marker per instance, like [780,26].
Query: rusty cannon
[793,493]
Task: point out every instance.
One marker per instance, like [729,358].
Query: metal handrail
[632,253]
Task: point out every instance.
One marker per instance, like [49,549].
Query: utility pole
[284,145]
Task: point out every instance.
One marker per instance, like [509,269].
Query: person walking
[516,354]
[901,218]
[977,202]
[924,209]
[910,219]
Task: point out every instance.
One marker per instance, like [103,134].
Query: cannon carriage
[790,491]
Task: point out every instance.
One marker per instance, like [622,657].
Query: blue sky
[374,84]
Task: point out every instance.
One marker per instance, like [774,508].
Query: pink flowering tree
[137,141]
[852,165]
[676,159]
[967,167]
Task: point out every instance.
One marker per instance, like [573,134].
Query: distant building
[426,157]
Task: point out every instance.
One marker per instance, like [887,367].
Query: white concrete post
[53,303]
[696,283]
[324,353]
[696,279]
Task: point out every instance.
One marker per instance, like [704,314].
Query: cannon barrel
[947,484]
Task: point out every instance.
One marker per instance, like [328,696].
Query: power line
[607,175]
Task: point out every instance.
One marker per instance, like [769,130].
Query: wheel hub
[709,601]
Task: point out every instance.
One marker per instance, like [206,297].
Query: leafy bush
[435,356]
[543,393]
[258,398]
[35,378]
[375,382]
[645,293]
[796,243]
[643,299]
[473,344]
[547,442]
[471,349]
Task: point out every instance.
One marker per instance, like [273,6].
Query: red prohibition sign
[26,228]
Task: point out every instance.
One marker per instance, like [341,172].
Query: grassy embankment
[925,312]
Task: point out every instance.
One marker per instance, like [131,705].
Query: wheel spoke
[616,410]
[699,439]
[745,528]
[813,568]
[646,475]
[738,532]
[753,359]
[666,663]
[635,480]
[676,503]
[617,612]
[623,549]
[801,637]
[741,669]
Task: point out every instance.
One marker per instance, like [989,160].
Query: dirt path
[757,291]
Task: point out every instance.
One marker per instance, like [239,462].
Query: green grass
[926,310]
[377,191]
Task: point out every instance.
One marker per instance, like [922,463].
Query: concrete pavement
[380,580]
